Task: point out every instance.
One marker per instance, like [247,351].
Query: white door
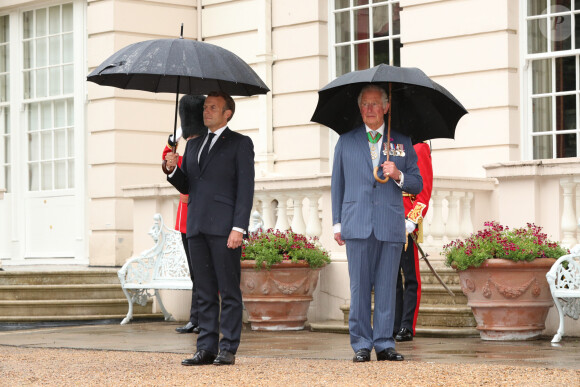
[43,211]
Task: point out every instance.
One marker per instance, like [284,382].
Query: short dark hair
[230,104]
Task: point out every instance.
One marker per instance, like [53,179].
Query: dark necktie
[205,149]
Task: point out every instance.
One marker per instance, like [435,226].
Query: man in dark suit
[217,171]
[369,217]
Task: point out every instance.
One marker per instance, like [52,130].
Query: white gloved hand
[409,226]
[178,134]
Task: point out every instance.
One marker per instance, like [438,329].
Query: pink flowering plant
[497,241]
[273,246]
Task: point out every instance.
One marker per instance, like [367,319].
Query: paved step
[25,319]
[59,277]
[450,316]
[69,307]
[338,326]
[60,292]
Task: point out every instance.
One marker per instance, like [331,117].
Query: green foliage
[497,241]
[273,247]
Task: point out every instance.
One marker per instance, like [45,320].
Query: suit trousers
[193,311]
[372,263]
[217,271]
[408,296]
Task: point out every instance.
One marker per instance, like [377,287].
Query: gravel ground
[22,366]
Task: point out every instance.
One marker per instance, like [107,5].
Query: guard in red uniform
[191,118]
[409,296]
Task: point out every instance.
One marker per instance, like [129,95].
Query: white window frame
[526,115]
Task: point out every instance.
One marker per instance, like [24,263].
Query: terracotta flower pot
[278,299]
[510,300]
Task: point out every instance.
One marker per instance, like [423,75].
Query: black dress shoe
[201,357]
[188,328]
[389,354]
[225,358]
[362,355]
[404,334]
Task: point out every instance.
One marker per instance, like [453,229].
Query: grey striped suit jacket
[359,202]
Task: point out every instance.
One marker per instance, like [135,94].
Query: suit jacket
[360,203]
[221,193]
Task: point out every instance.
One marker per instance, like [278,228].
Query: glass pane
[338,4]
[361,2]
[576,6]
[33,117]
[561,32]
[3,59]
[536,7]
[362,56]
[54,77]
[542,114]
[27,30]
[381,52]
[59,144]
[542,147]
[541,76]
[537,41]
[41,83]
[46,145]
[397,52]
[54,19]
[342,60]
[46,179]
[577,29]
[28,80]
[342,27]
[563,3]
[3,88]
[381,21]
[59,114]
[7,184]
[67,18]
[7,154]
[361,24]
[6,127]
[41,52]
[54,50]
[33,177]
[71,174]
[28,54]
[41,22]
[67,48]
[60,174]
[46,115]
[396,19]
[70,118]
[566,73]
[566,112]
[33,146]
[4,29]
[566,145]
[68,80]
[70,138]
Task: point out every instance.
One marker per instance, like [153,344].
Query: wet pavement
[160,336]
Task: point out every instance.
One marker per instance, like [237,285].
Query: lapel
[362,142]
[218,144]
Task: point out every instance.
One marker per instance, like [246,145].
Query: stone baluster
[452,226]
[267,214]
[568,222]
[437,226]
[466,224]
[298,224]
[314,225]
[282,213]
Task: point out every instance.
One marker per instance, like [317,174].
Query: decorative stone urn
[278,298]
[510,300]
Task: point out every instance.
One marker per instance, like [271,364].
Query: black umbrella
[421,108]
[178,66]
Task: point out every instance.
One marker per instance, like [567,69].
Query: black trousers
[194,310]
[409,295]
[217,271]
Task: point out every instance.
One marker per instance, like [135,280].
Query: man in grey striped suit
[369,217]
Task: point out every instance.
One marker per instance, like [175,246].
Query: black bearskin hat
[191,115]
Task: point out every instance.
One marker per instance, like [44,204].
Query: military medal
[373,139]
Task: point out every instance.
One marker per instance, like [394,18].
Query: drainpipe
[199,8]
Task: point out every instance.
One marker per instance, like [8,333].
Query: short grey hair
[371,87]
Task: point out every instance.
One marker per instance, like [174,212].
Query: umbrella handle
[377,178]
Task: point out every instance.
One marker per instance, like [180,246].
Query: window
[5,159]
[552,78]
[48,86]
[365,33]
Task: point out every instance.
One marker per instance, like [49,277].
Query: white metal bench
[162,267]
[564,280]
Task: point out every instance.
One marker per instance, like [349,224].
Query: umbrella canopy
[178,66]
[421,108]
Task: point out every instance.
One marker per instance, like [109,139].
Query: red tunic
[416,207]
[181,216]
